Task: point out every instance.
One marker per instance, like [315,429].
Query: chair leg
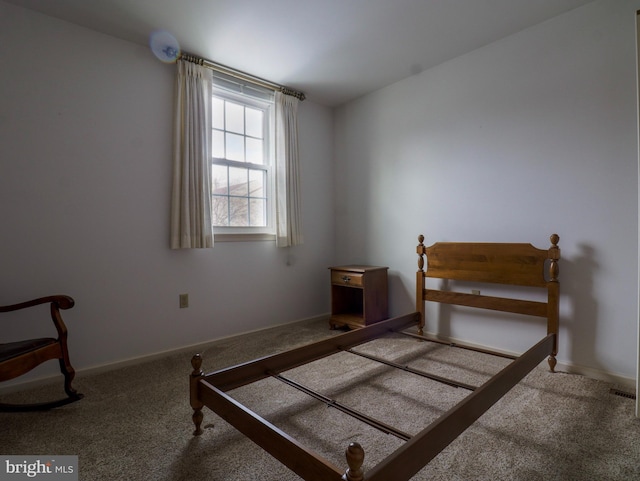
[69,373]
[72,395]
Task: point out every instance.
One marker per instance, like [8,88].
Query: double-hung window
[242,170]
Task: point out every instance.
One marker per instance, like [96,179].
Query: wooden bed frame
[507,264]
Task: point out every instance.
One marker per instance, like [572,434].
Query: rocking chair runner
[18,358]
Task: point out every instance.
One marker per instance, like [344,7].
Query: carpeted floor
[135,423]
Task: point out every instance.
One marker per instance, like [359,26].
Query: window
[225,160]
[242,160]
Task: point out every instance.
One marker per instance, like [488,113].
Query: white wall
[531,135]
[85,154]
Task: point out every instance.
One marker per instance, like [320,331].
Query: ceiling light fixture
[164,46]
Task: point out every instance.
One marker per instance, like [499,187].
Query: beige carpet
[135,423]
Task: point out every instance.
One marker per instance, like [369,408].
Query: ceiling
[332,50]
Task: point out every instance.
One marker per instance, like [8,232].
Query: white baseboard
[192,348]
[622,382]
[134,361]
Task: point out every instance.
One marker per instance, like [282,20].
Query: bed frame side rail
[276,442]
[242,374]
[209,390]
[407,460]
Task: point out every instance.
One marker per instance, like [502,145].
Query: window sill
[243,237]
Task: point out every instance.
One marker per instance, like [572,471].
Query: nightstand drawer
[346,278]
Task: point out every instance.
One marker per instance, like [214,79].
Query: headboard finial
[421,251]
[554,255]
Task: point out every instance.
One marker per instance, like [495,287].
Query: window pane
[256,183]
[218,113]
[254,151]
[235,147]
[257,213]
[219,180]
[240,162]
[217,144]
[220,211]
[238,182]
[254,122]
[239,212]
[235,118]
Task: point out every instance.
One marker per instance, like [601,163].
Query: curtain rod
[241,75]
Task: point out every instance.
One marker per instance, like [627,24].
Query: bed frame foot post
[552,363]
[355,458]
[196,404]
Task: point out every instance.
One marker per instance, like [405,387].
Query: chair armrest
[56,303]
[62,302]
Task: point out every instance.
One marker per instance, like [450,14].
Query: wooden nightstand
[358,296]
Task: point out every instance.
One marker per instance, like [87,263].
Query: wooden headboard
[498,263]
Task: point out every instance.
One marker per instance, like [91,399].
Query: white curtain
[191,194]
[288,201]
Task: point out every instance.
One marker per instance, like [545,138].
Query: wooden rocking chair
[18,358]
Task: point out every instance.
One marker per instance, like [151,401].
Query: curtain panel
[191,225]
[288,198]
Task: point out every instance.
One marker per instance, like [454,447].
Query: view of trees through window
[240,166]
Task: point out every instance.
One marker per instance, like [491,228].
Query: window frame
[251,233]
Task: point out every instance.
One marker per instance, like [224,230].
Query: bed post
[355,458]
[553,305]
[196,404]
[420,284]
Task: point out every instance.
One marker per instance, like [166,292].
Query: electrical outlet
[184,300]
[475,292]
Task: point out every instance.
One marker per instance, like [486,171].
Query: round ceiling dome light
[164,46]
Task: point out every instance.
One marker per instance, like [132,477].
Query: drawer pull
[346,279]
